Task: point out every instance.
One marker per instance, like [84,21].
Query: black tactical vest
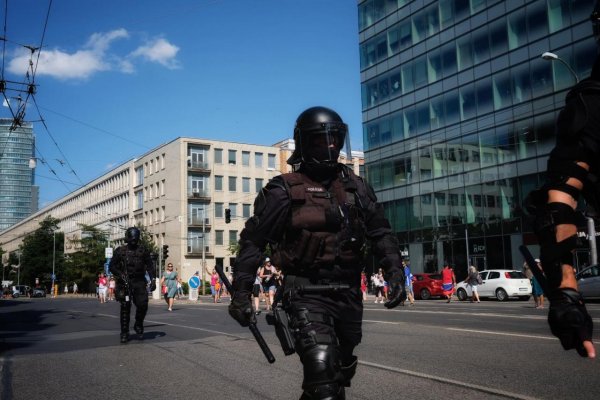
[134,261]
[326,225]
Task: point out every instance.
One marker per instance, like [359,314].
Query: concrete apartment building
[179,191]
[459,112]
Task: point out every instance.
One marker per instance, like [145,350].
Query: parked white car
[588,282]
[499,283]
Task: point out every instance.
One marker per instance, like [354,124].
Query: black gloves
[152,285]
[240,308]
[569,320]
[397,294]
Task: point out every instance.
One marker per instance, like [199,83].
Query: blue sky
[119,77]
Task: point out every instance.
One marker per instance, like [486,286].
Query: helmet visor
[323,142]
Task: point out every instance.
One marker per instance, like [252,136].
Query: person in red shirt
[448,282]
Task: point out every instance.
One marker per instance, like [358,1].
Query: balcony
[197,166]
[198,221]
[199,194]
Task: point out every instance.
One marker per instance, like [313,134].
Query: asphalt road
[68,348]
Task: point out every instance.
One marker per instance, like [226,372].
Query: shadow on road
[18,323]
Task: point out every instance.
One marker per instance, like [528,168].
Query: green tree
[84,265]
[11,262]
[146,240]
[39,250]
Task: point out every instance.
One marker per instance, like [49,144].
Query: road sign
[194,282]
[108,252]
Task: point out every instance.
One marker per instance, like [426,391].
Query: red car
[426,286]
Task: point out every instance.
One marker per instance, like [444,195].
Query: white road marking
[470,386]
[502,333]
[468,330]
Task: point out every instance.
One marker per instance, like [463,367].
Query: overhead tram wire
[27,86]
[43,160]
[64,159]
[96,128]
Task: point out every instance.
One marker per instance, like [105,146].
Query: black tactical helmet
[319,135]
[132,235]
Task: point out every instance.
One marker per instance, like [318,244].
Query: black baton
[253,328]
[535,269]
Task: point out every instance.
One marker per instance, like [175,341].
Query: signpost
[194,283]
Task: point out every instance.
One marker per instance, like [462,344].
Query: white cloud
[95,56]
[100,42]
[160,51]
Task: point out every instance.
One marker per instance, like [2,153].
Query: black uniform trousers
[139,296]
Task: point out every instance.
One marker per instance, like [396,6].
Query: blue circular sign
[194,282]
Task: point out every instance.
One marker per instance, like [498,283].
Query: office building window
[271,161]
[258,160]
[139,200]
[139,176]
[218,182]
[219,210]
[232,156]
[259,184]
[233,237]
[232,183]
[245,158]
[218,156]
[233,208]
[246,210]
[246,185]
[219,238]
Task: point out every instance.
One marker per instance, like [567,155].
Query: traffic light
[227,215]
[165,251]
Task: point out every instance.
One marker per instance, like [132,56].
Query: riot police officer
[317,220]
[573,168]
[130,264]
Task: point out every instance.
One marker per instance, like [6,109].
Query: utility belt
[301,284]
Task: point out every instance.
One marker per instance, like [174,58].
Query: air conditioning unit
[196,192]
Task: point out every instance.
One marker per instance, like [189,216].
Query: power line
[65,160]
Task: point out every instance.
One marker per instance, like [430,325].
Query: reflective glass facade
[16,176]
[458,117]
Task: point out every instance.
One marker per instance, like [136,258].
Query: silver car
[588,282]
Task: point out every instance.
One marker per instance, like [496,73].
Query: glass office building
[16,176]
[459,111]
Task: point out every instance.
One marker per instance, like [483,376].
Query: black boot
[138,327]
[124,337]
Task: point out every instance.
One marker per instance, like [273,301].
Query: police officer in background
[317,220]
[129,265]
[573,168]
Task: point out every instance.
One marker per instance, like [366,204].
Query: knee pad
[322,374]
[552,253]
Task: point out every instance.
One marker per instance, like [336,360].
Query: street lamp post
[19,270]
[203,250]
[548,56]
[53,260]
